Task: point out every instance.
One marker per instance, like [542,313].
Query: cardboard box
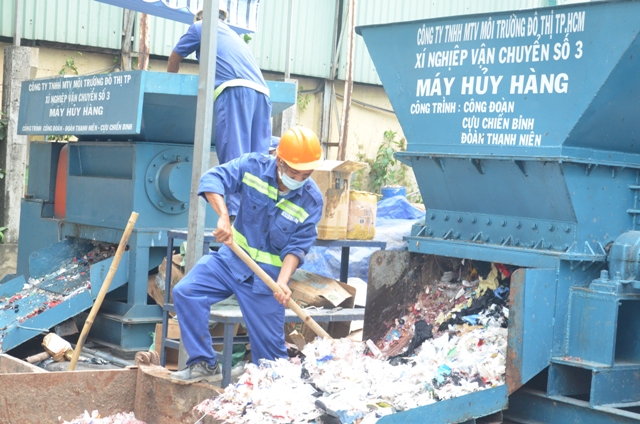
[171,355]
[156,283]
[309,289]
[333,177]
[218,331]
[173,329]
[173,332]
[361,224]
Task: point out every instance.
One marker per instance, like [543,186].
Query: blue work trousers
[209,282]
[243,125]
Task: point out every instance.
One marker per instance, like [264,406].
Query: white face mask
[289,182]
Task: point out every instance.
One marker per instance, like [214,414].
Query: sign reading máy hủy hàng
[84,105]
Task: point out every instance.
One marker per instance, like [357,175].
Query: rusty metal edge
[41,396]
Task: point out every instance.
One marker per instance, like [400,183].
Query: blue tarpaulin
[398,207]
[394,218]
[325,261]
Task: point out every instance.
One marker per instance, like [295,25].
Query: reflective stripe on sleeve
[256,255]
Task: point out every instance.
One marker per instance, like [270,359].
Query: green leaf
[384,168]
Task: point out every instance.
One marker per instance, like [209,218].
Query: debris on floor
[41,294]
[466,297]
[339,377]
[95,418]
[452,341]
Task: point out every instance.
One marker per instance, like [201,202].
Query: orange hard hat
[300,149]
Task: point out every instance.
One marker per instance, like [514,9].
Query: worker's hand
[223,233]
[284,297]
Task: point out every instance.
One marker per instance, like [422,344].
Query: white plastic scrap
[95,418]
[271,393]
[355,385]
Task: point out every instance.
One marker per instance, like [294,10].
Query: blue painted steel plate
[49,260]
[64,278]
[16,307]
[520,83]
[122,106]
[67,281]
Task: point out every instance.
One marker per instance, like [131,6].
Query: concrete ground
[8,259]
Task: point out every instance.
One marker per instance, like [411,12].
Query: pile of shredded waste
[460,297]
[95,418]
[342,379]
[448,343]
[41,294]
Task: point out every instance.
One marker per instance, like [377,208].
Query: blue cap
[273,145]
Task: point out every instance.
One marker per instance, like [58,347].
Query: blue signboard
[518,83]
[83,105]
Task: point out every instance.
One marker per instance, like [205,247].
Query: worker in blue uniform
[275,225]
[241,98]
[274,144]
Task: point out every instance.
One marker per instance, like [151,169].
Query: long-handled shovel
[103,290]
[304,316]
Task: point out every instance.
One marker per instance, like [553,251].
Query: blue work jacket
[233,57]
[268,225]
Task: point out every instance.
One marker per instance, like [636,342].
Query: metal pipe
[144,44]
[328,96]
[128,19]
[102,355]
[335,54]
[335,109]
[319,88]
[363,104]
[325,118]
[204,133]
[287,56]
[348,83]
[17,23]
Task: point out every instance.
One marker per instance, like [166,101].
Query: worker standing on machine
[276,226]
[241,97]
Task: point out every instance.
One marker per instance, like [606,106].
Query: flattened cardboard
[171,355]
[156,282]
[309,289]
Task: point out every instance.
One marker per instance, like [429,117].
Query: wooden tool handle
[304,316]
[103,290]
